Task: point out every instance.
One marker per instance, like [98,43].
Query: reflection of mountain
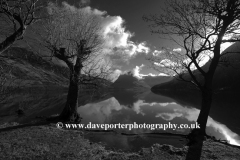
[151,97]
[33,104]
[226,77]
[128,98]
[110,111]
[125,98]
[40,103]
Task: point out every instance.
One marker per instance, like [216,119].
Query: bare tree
[15,17]
[199,27]
[74,37]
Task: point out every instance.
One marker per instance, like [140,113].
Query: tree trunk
[11,39]
[69,112]
[197,135]
[205,109]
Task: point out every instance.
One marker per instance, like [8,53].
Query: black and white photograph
[119,79]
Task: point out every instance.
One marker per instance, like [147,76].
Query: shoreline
[45,141]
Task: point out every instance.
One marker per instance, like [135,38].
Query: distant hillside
[226,77]
[128,81]
[151,81]
[21,67]
[92,83]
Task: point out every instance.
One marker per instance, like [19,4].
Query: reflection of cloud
[137,105]
[169,116]
[165,104]
[102,112]
[191,115]
[99,112]
[232,137]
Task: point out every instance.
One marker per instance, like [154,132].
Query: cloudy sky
[127,32]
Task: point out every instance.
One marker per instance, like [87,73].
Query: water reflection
[34,104]
[141,110]
[127,108]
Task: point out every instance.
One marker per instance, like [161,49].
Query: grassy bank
[48,142]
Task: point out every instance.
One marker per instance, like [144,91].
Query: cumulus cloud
[156,52]
[117,37]
[136,71]
[141,47]
[114,76]
[177,50]
[114,32]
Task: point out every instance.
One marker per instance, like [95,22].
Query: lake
[128,107]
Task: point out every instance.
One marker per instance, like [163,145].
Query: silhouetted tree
[15,17]
[200,27]
[74,37]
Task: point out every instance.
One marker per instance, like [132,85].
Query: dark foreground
[48,142]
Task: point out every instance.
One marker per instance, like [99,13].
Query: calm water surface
[129,108]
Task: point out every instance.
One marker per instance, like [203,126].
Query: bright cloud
[137,107]
[117,37]
[114,76]
[177,50]
[136,71]
[169,116]
[99,112]
[114,32]
[156,53]
[142,48]
[191,115]
[140,103]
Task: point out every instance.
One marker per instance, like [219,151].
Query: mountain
[226,77]
[22,68]
[128,81]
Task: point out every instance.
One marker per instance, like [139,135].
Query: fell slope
[226,77]
[128,81]
[22,68]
